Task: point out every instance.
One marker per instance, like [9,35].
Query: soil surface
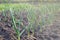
[51,32]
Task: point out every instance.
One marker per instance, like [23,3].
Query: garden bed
[28,22]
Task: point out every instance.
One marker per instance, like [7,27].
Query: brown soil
[51,32]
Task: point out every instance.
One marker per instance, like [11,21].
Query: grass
[14,24]
[41,15]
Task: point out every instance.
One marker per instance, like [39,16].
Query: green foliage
[41,15]
[14,24]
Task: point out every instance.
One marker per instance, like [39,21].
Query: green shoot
[14,24]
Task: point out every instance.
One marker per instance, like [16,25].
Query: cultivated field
[25,21]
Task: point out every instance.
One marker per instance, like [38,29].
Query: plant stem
[14,25]
[18,37]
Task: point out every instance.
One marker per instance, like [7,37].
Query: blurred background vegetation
[18,1]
